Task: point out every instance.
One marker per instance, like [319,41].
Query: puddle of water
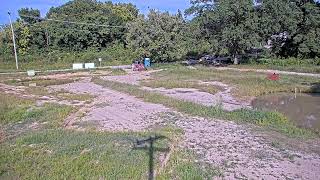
[303,110]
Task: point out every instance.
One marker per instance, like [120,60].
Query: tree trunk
[235,59]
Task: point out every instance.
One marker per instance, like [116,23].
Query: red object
[138,67]
[274,77]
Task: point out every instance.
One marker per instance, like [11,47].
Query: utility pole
[14,42]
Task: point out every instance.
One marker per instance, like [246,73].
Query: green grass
[272,120]
[14,109]
[34,65]
[182,165]
[246,83]
[61,154]
[65,154]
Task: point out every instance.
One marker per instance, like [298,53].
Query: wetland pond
[302,109]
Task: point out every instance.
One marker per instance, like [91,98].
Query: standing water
[302,109]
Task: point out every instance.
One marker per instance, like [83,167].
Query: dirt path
[223,98]
[112,110]
[132,77]
[269,71]
[240,153]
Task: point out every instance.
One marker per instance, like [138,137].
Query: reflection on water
[304,110]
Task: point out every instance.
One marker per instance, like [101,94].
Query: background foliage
[281,28]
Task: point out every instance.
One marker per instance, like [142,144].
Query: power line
[72,22]
[73,29]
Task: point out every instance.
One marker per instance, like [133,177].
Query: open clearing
[85,126]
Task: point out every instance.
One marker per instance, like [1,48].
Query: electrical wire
[72,22]
[73,29]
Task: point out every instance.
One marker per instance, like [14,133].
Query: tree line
[281,28]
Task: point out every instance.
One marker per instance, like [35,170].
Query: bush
[117,54]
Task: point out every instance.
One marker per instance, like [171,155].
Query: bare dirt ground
[112,110]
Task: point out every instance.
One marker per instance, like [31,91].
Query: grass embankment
[245,83]
[35,146]
[272,120]
[113,55]
[292,68]
[290,64]
[6,67]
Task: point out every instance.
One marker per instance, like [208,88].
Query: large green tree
[70,36]
[27,15]
[292,26]
[159,36]
[230,26]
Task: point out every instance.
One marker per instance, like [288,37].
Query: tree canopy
[286,28]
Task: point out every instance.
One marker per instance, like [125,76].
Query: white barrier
[31,73]
[77,66]
[89,66]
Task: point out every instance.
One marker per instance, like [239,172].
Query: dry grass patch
[181,84]
[38,82]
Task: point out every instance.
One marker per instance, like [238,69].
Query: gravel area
[240,153]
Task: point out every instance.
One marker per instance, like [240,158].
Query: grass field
[35,145]
[288,64]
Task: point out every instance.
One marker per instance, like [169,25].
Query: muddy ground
[237,150]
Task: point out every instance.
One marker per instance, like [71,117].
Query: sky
[44,5]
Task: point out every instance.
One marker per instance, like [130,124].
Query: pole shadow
[148,145]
